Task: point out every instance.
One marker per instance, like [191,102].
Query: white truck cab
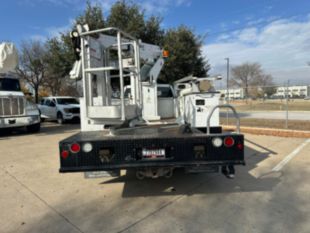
[165,101]
[60,108]
[15,110]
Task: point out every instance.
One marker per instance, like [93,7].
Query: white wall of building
[293,91]
[236,93]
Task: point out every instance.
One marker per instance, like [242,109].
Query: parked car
[60,108]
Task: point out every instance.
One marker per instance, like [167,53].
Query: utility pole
[227,88]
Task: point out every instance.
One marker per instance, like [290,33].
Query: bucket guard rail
[224,106]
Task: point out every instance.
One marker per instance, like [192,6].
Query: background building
[293,91]
[233,93]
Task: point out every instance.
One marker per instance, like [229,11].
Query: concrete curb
[271,132]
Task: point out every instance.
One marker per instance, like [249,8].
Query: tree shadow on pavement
[216,207]
[52,128]
[47,128]
[189,184]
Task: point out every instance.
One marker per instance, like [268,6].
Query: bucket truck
[116,132]
[15,110]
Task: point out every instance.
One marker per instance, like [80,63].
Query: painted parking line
[289,157]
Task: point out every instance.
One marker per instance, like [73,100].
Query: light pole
[227,88]
[287,97]
[227,84]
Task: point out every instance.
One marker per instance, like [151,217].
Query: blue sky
[275,33]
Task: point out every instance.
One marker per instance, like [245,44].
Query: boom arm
[8,57]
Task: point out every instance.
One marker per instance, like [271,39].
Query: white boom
[8,57]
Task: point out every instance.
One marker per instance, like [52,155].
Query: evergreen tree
[59,63]
[182,43]
[185,55]
[92,16]
[128,17]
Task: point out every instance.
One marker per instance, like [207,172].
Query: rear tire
[33,128]
[60,119]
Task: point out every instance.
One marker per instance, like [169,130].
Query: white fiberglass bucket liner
[8,57]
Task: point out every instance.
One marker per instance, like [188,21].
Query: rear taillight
[64,154]
[75,148]
[229,141]
[240,146]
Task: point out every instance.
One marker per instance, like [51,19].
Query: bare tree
[249,75]
[70,88]
[53,84]
[64,87]
[59,65]
[32,65]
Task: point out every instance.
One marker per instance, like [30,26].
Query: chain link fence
[283,107]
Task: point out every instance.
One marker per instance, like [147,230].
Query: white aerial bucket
[8,57]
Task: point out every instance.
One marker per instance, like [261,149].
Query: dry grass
[271,105]
[269,123]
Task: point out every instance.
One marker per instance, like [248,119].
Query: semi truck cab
[15,110]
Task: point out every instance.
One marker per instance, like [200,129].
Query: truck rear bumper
[129,148]
[147,165]
[19,121]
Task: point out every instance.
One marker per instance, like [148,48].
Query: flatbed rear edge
[184,150]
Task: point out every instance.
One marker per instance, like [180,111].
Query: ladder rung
[97,69]
[117,75]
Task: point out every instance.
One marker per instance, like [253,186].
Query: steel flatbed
[167,146]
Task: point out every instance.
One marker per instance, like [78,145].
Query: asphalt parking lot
[270,194]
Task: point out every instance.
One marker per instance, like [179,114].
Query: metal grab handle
[125,34]
[223,106]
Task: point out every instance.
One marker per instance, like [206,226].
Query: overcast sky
[275,33]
